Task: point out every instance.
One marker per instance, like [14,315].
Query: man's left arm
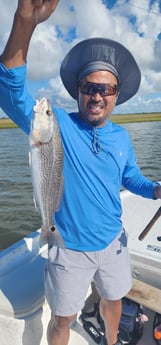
[134,181]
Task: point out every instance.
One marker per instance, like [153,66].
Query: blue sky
[134,23]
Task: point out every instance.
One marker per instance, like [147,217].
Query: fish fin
[61,188]
[34,198]
[29,158]
[36,203]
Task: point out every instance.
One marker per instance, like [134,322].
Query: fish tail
[51,237]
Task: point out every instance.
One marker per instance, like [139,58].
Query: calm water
[18,216]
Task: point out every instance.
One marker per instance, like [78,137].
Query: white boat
[145,254]
[24,312]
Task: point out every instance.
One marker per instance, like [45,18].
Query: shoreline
[6,123]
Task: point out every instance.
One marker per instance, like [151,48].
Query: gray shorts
[69,274]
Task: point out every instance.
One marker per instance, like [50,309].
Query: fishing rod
[150,224]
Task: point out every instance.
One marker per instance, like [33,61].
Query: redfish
[46,164]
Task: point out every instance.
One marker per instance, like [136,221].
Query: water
[18,216]
[146,139]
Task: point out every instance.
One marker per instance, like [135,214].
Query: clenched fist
[39,10]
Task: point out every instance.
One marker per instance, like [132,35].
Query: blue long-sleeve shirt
[90,214]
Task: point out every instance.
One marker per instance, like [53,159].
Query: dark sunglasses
[91,89]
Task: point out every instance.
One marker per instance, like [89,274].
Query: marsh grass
[130,118]
[120,119]
[7,123]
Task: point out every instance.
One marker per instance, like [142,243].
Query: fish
[46,166]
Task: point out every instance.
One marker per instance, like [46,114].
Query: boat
[145,254]
[24,312]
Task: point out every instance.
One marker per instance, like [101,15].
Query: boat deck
[78,336]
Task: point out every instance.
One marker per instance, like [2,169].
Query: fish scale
[51,179]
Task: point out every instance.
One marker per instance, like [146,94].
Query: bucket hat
[101,54]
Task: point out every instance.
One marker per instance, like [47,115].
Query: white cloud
[131,23]
[45,53]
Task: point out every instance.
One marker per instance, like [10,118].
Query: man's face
[95,109]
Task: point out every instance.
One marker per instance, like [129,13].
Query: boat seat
[146,294]
[22,278]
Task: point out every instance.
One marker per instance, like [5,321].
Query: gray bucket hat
[101,54]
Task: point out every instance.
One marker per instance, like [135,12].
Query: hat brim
[108,51]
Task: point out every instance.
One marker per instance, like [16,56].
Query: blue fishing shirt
[97,162]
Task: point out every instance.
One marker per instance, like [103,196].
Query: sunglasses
[91,89]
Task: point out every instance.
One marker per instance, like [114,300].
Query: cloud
[134,23]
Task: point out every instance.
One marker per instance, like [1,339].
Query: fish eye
[48,112]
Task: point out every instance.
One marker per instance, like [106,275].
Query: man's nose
[96,96]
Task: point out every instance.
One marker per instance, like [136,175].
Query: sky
[134,23]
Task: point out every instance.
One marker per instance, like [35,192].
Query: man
[98,159]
